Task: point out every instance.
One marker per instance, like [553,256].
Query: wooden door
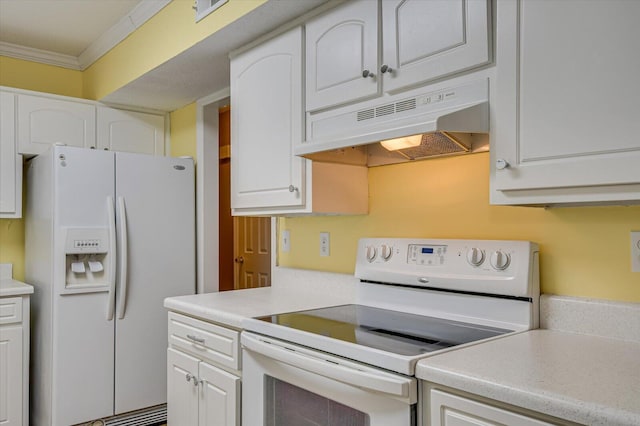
[225,220]
[428,39]
[252,252]
[340,46]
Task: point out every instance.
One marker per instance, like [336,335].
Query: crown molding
[140,14]
[37,55]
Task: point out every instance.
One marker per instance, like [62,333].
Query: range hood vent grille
[366,114]
[405,105]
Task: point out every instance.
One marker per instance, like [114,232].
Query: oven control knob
[475,256]
[500,260]
[385,252]
[371,253]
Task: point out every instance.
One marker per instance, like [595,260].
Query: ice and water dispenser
[87,258]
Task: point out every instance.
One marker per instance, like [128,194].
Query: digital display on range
[427,255]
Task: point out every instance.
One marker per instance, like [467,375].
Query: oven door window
[289,405]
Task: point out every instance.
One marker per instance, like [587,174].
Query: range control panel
[429,255]
[492,266]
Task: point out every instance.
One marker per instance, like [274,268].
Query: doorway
[244,242]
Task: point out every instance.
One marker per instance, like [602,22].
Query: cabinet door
[428,39]
[44,121]
[182,394]
[219,397]
[570,133]
[10,161]
[266,121]
[340,46]
[452,410]
[11,407]
[127,131]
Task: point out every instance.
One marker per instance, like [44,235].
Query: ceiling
[67,27]
[81,30]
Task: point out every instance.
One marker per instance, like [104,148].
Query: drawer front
[10,310]
[217,344]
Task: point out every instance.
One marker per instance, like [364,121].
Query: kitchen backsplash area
[584,251]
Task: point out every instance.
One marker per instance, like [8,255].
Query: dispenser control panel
[86,240]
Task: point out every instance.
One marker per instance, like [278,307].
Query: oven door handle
[333,368]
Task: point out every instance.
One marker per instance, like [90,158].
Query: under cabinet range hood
[410,126]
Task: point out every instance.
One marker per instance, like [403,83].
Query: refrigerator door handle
[122,259]
[111,215]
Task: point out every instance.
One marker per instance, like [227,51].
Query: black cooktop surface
[391,331]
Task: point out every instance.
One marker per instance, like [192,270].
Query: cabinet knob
[367,73]
[501,164]
[239,259]
[386,68]
[293,188]
[189,377]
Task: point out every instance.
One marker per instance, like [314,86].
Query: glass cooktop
[391,331]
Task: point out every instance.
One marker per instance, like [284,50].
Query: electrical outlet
[286,241]
[635,251]
[324,244]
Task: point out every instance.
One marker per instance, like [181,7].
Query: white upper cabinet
[128,131]
[342,55]
[10,161]
[266,123]
[266,120]
[567,110]
[422,40]
[44,121]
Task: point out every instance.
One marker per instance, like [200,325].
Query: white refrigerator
[108,236]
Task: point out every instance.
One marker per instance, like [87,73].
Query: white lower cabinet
[444,408]
[14,361]
[203,375]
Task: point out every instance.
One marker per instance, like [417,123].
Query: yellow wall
[40,77]
[43,78]
[168,33]
[584,251]
[183,131]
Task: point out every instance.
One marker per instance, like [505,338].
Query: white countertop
[231,307]
[9,286]
[581,378]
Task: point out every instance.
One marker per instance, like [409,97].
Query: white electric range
[354,364]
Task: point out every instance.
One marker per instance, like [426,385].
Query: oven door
[288,385]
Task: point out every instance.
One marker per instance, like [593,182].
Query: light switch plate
[286,241]
[635,251]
